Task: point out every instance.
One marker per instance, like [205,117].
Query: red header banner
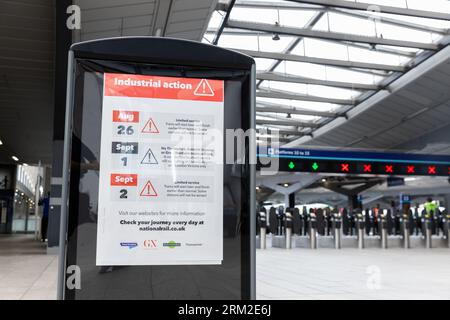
[140,86]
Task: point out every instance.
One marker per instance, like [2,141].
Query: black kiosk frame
[88,61]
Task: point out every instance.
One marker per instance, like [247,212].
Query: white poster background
[179,220]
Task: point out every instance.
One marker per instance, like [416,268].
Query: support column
[353,202]
[63,41]
[289,200]
[447,202]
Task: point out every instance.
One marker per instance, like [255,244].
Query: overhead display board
[154,210]
[356,162]
[161,172]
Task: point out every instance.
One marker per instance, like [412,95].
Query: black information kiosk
[155,210]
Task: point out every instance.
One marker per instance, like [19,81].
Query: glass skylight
[341,67]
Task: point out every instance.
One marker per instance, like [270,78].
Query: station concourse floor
[27,272]
[353,274]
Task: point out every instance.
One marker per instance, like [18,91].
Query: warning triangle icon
[149,158]
[148,190]
[150,127]
[204,89]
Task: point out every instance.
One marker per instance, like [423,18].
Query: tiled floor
[353,274]
[26,271]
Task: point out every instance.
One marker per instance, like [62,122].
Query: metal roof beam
[263,110]
[304,32]
[265,139]
[224,22]
[275,76]
[268,136]
[276,5]
[321,61]
[279,94]
[282,132]
[390,21]
[278,108]
[434,62]
[385,9]
[389,50]
[351,13]
[311,23]
[283,122]
[270,116]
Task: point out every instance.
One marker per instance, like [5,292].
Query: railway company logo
[150,244]
[129,245]
[194,244]
[172,244]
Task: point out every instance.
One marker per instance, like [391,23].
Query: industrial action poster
[161,171]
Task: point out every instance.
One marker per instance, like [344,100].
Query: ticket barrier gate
[297,223]
[435,228]
[391,230]
[273,222]
[300,229]
[369,222]
[293,227]
[406,232]
[337,230]
[417,223]
[280,219]
[429,229]
[384,231]
[305,218]
[313,231]
[262,230]
[359,222]
[328,221]
[288,224]
[433,236]
[446,222]
[278,229]
[353,229]
[428,232]
[321,222]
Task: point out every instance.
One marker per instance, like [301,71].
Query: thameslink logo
[129,245]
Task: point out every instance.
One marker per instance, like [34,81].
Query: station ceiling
[26,80]
[415,105]
[330,72]
[27,46]
[185,19]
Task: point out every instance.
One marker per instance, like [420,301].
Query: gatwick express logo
[129,245]
[150,244]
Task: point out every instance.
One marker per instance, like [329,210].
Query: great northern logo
[129,245]
[150,244]
[172,244]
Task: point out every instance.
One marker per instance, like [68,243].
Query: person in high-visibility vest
[430,208]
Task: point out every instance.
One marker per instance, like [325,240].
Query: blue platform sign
[356,162]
